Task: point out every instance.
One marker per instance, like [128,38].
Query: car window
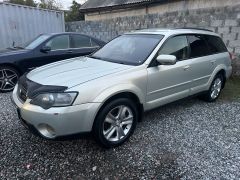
[94,44]
[79,41]
[131,49]
[177,46]
[59,42]
[36,42]
[198,46]
[215,44]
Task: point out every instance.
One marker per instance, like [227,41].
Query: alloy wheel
[8,79]
[118,123]
[216,88]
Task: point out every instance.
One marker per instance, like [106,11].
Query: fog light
[46,131]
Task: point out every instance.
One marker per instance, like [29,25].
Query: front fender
[121,88]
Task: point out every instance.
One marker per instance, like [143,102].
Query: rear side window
[215,44]
[94,44]
[198,46]
[177,46]
[79,41]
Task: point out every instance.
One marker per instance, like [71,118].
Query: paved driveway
[189,139]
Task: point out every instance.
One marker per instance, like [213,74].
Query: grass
[232,89]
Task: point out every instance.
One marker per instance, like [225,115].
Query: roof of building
[95,5]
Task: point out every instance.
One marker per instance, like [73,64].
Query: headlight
[49,100]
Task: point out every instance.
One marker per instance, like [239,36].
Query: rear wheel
[8,78]
[115,123]
[215,89]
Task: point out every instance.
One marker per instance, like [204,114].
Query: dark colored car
[45,49]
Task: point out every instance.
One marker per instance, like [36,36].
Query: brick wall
[223,20]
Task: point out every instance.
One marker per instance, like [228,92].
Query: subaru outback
[107,92]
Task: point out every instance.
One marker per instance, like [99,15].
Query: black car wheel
[8,78]
[115,123]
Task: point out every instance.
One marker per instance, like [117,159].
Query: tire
[8,78]
[215,89]
[115,122]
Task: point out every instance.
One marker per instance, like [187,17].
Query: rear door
[82,45]
[203,62]
[167,83]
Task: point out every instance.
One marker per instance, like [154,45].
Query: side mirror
[166,59]
[45,49]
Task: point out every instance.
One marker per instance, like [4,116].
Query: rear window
[215,44]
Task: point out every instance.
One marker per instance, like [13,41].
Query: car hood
[75,71]
[11,51]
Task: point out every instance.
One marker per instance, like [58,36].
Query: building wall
[223,20]
[178,5]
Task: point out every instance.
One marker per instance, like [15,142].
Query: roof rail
[202,29]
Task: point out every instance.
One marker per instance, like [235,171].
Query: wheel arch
[221,69]
[123,94]
[12,66]
[223,73]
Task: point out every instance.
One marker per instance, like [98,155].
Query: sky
[65,3]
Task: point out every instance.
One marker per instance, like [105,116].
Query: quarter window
[59,42]
[94,44]
[79,41]
[198,46]
[215,44]
[177,46]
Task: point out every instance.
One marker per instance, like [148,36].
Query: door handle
[185,68]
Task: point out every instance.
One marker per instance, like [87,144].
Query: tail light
[232,57]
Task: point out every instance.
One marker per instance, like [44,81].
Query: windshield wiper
[108,60]
[96,57]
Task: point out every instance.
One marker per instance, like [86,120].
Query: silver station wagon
[107,92]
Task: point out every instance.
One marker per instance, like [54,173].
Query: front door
[60,50]
[167,83]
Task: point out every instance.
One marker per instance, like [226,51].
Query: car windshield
[36,42]
[132,49]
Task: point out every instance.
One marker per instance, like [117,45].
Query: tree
[73,14]
[50,4]
[24,2]
[30,3]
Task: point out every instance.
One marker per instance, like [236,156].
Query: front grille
[22,93]
[29,89]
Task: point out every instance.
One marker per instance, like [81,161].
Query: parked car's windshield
[131,49]
[36,42]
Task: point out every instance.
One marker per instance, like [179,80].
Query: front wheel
[115,122]
[8,78]
[215,89]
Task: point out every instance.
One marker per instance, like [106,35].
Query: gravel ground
[189,139]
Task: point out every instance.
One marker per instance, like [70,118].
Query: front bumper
[59,121]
